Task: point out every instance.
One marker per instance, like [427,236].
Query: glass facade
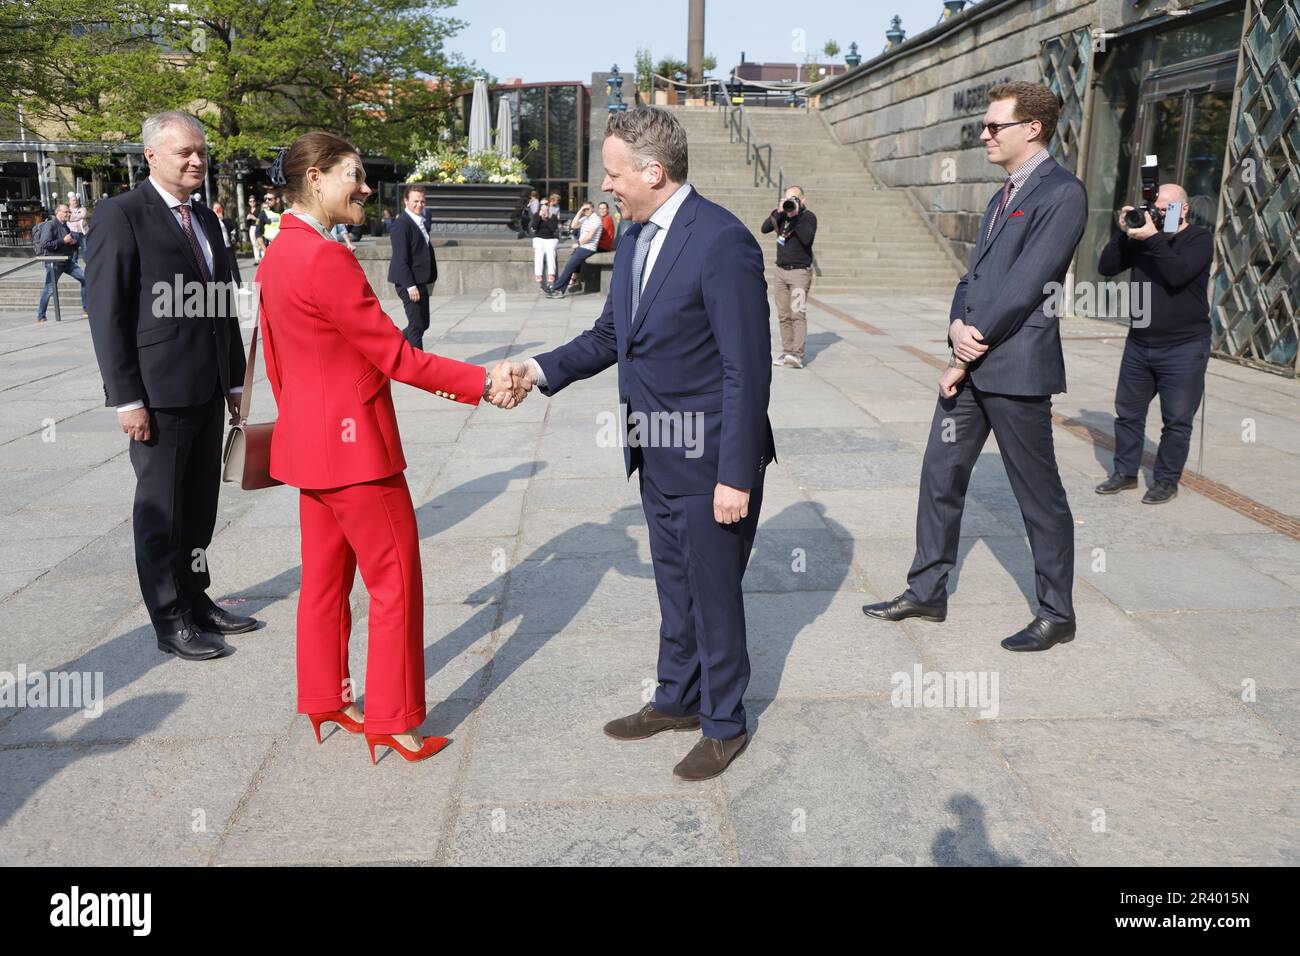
[553,114]
[1256,285]
[1166,93]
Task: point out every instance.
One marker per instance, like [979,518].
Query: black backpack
[39,232]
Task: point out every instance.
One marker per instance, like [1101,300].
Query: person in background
[341,234]
[606,242]
[413,268]
[585,237]
[226,238]
[76,225]
[553,200]
[386,222]
[1166,354]
[250,227]
[268,221]
[795,227]
[545,240]
[55,239]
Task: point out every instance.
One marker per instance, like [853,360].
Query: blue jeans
[1177,374]
[576,259]
[53,271]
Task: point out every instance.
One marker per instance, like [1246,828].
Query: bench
[595,272]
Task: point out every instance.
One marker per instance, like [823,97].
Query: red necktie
[1002,206]
[188,227]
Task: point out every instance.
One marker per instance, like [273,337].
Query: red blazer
[330,352]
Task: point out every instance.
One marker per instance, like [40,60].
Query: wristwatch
[953,363]
[487,385]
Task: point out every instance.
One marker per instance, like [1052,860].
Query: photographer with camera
[795,227]
[1168,349]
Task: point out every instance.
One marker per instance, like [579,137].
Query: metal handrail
[732,117]
[58,311]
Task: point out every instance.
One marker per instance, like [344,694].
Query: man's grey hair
[653,135]
[154,126]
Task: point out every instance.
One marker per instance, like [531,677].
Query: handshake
[511,383]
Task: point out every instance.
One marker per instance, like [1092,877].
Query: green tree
[257,72]
[670,65]
[710,62]
[831,49]
[644,67]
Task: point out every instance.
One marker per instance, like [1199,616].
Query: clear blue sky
[543,41]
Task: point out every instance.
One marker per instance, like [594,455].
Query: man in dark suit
[1006,365]
[414,267]
[167,338]
[686,321]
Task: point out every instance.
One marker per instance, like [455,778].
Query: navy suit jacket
[700,342]
[413,261]
[1006,293]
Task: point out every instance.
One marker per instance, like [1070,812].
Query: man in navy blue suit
[686,321]
[414,267]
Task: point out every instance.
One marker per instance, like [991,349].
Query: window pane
[1206,140]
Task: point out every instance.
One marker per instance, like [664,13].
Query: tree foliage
[257,72]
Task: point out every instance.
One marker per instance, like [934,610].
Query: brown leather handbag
[247,455]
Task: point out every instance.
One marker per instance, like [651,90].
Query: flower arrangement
[451,162]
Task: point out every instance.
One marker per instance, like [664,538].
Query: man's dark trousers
[698,565]
[417,315]
[178,477]
[1177,374]
[1023,428]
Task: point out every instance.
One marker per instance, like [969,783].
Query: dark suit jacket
[1006,293]
[413,262]
[699,342]
[147,345]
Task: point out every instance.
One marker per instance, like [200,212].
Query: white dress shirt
[174,205]
[663,218]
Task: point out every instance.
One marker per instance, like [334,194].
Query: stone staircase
[20,293]
[869,237]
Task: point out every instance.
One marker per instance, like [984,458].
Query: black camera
[1136,218]
[790,206]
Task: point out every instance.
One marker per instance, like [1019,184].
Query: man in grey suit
[1006,365]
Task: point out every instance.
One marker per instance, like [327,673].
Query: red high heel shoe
[334,717]
[431,746]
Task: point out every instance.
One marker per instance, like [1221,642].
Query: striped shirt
[1018,179]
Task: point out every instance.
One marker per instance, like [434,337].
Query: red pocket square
[1018,212]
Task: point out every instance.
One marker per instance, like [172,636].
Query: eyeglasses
[995,128]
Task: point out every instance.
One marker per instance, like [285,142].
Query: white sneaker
[793,361]
[780,359]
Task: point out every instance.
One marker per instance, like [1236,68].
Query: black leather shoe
[900,608]
[647,722]
[218,621]
[1160,492]
[710,757]
[1039,635]
[1117,483]
[192,644]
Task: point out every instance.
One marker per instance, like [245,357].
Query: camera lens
[790,206]
[1135,218]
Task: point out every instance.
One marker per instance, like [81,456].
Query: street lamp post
[614,85]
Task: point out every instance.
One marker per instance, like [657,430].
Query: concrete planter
[472,209]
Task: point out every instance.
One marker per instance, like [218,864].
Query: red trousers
[372,526]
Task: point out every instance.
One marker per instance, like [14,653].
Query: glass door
[1183,121]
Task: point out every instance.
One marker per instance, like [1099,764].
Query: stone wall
[913,114]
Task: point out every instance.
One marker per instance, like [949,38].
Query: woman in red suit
[330,354]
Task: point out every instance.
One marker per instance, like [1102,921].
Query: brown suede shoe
[647,722]
[710,757]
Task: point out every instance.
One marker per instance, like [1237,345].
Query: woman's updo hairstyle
[317,148]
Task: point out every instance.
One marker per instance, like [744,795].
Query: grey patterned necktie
[643,241]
